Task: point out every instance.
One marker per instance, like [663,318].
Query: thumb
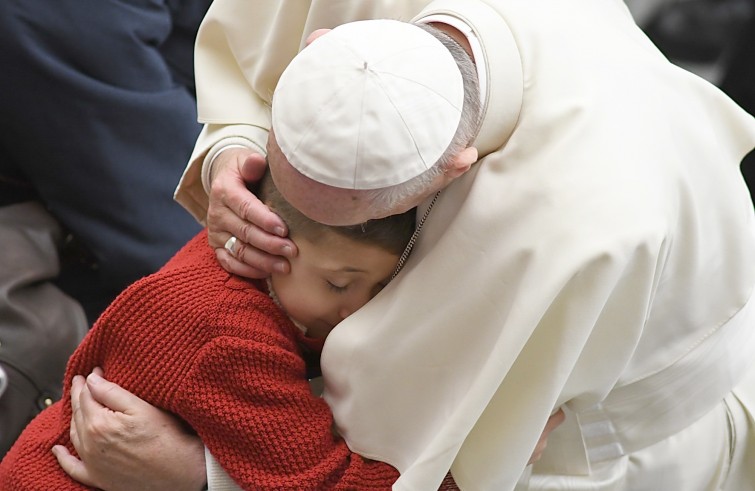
[111,395]
[253,168]
[72,466]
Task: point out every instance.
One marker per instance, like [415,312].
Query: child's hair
[391,233]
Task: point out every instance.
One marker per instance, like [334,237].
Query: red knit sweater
[216,351]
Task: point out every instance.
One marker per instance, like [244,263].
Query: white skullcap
[368,105]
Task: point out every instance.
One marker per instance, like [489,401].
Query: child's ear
[461,163]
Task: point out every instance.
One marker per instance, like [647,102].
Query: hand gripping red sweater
[216,351]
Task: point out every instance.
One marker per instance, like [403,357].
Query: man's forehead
[324,204]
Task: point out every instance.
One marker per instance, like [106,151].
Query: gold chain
[414,237]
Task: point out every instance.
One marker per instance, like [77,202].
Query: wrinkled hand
[556,419]
[125,443]
[261,246]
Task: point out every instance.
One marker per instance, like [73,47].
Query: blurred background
[713,38]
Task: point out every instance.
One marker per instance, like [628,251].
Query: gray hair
[383,200]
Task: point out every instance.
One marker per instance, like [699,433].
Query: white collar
[474,42]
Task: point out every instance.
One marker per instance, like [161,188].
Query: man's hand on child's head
[261,246]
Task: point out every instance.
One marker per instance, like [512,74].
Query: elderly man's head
[371,119]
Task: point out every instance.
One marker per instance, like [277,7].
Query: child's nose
[345,312]
[353,304]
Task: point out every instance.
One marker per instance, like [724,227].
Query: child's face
[330,280]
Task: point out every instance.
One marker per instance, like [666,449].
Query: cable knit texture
[216,351]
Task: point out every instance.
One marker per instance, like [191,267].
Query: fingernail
[280,231]
[55,450]
[287,251]
[94,379]
[280,267]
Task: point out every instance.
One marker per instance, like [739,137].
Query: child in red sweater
[227,355]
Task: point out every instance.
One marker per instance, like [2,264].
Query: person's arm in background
[242,48]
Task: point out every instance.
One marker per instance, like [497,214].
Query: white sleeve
[192,190]
[217,478]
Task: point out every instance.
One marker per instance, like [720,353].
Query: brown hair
[391,233]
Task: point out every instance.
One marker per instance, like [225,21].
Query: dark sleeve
[251,406]
[94,119]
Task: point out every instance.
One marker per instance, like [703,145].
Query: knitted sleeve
[250,404]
